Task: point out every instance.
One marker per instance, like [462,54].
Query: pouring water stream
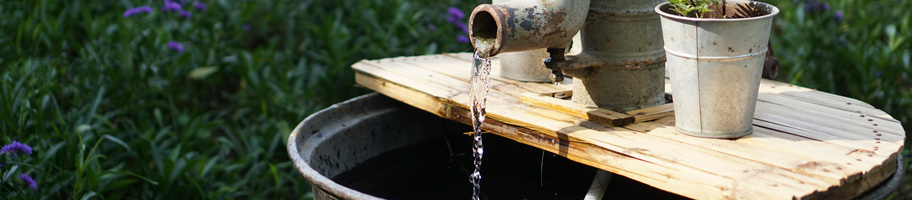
[478,95]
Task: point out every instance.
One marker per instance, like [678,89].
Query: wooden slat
[679,158]
[652,113]
[806,144]
[454,66]
[864,151]
[838,128]
[671,155]
[603,116]
[810,94]
[822,98]
[770,147]
[855,118]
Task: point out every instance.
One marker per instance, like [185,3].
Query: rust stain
[556,32]
[510,20]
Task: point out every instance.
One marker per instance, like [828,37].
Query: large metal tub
[346,135]
[344,151]
[321,146]
[344,138]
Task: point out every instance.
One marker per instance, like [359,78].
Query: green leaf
[150,181]
[88,196]
[82,128]
[275,174]
[202,72]
[116,140]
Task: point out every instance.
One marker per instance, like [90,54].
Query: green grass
[112,112]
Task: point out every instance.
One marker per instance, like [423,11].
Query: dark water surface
[512,171]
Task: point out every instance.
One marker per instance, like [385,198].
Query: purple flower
[246,27]
[431,26]
[199,6]
[176,46]
[816,6]
[879,74]
[455,15]
[462,38]
[171,6]
[185,14]
[15,148]
[809,7]
[137,10]
[838,16]
[462,26]
[28,180]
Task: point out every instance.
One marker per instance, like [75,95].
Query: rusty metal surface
[525,25]
[524,65]
[622,62]
[620,88]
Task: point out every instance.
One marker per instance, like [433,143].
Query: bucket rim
[317,180]
[773,12]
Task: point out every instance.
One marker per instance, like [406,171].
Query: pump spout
[519,25]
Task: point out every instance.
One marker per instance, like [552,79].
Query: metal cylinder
[620,88]
[715,67]
[524,65]
[624,36]
[519,25]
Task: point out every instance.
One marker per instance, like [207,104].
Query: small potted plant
[715,52]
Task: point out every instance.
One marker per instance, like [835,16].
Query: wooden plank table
[806,144]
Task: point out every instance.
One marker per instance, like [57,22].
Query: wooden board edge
[859,186]
[652,113]
[602,116]
[405,94]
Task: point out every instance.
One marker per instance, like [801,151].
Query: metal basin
[344,135]
[373,147]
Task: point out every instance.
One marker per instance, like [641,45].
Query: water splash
[478,95]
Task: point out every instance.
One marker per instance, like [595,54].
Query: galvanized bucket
[715,67]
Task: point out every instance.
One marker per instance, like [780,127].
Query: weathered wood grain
[806,144]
